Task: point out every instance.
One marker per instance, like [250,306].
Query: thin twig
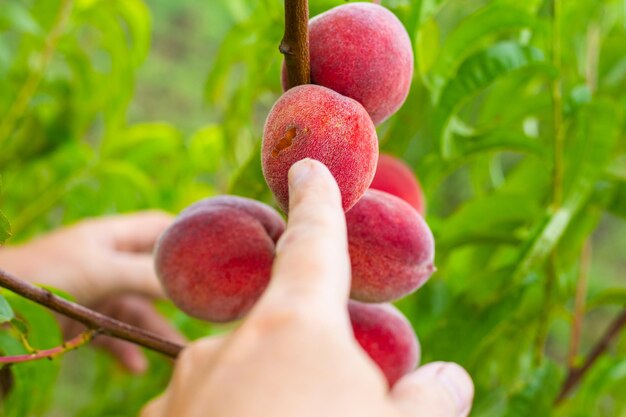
[575,375]
[92,319]
[295,43]
[74,343]
[579,304]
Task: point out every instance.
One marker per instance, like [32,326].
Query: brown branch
[575,375]
[74,343]
[579,304]
[295,43]
[92,319]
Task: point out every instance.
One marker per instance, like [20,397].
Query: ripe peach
[311,121]
[387,337]
[361,50]
[395,177]
[391,248]
[215,260]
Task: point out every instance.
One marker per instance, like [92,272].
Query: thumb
[438,389]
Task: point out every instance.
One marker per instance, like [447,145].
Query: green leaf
[617,205]
[5,229]
[136,15]
[248,181]
[490,219]
[205,147]
[476,73]
[496,140]
[6,312]
[598,130]
[536,396]
[33,380]
[610,296]
[426,46]
[493,19]
[16,15]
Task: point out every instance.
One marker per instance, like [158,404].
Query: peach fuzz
[395,177]
[361,50]
[311,121]
[215,260]
[391,248]
[387,337]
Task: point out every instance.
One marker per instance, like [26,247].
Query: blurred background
[110,106]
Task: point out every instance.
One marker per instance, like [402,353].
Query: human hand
[295,354]
[93,259]
[106,264]
[132,309]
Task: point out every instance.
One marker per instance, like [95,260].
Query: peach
[215,260]
[391,248]
[361,50]
[395,177]
[387,337]
[310,121]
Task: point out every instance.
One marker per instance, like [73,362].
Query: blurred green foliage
[111,106]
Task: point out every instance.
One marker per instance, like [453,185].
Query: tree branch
[579,304]
[92,319]
[295,43]
[575,375]
[74,343]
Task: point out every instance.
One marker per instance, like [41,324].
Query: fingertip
[455,379]
[302,170]
[310,180]
[133,359]
[137,365]
[438,385]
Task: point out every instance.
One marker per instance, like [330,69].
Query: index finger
[312,265]
[135,232]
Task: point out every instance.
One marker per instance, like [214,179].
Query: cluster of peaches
[215,260]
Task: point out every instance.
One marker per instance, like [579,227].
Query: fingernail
[459,384]
[300,171]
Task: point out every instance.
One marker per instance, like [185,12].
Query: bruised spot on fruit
[284,142]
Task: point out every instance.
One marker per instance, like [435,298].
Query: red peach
[395,177]
[215,260]
[387,337]
[391,248]
[310,121]
[361,50]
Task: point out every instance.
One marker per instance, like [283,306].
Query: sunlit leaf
[492,19]
[6,312]
[536,396]
[5,228]
[477,72]
[598,130]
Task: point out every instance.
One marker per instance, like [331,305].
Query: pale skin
[294,355]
